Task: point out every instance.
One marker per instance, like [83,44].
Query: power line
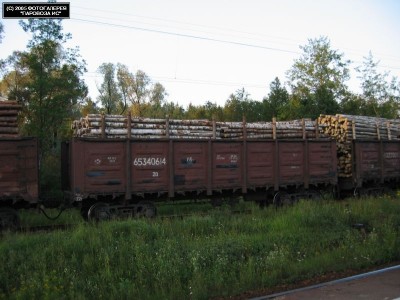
[357,52]
[210,39]
[191,24]
[187,36]
[193,81]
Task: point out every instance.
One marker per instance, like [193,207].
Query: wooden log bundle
[9,118]
[300,129]
[116,126]
[346,128]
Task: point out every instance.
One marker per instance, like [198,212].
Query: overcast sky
[205,50]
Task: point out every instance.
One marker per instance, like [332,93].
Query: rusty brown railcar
[19,179]
[128,173]
[375,167]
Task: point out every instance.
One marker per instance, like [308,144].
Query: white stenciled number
[155,174]
[149,161]
[234,158]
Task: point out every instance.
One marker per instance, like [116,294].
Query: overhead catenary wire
[198,37]
[222,30]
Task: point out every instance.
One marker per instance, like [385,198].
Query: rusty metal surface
[391,159]
[171,167]
[307,162]
[322,162]
[150,164]
[19,169]
[260,164]
[377,161]
[190,166]
[97,167]
[291,162]
[226,165]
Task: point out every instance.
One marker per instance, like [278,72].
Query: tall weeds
[200,257]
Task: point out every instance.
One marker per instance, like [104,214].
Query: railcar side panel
[150,164]
[190,166]
[376,161]
[367,161]
[322,162]
[226,165]
[260,163]
[291,162]
[391,160]
[97,167]
[174,167]
[19,178]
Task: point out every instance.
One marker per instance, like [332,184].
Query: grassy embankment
[200,256]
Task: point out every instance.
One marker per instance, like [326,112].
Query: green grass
[36,217]
[199,257]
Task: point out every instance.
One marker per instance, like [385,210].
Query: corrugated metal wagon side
[133,171]
[19,183]
[375,166]
[19,178]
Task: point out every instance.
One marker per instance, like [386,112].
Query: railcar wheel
[99,212]
[9,219]
[315,195]
[146,209]
[84,213]
[277,199]
[359,192]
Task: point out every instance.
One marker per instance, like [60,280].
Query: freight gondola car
[110,177]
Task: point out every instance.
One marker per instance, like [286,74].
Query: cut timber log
[346,128]
[116,126]
[8,118]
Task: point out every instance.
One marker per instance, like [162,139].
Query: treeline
[47,81]
[315,84]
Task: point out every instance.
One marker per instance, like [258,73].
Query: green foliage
[381,97]
[123,90]
[46,80]
[200,257]
[240,105]
[318,77]
[50,175]
[110,96]
[277,101]
[1,31]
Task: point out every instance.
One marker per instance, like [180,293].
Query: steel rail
[329,283]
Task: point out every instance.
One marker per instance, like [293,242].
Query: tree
[49,82]
[318,77]
[276,101]
[381,96]
[158,94]
[88,107]
[1,31]
[140,88]
[110,96]
[122,89]
[15,78]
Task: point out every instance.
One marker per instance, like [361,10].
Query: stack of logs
[8,118]
[116,126]
[296,129]
[346,128]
